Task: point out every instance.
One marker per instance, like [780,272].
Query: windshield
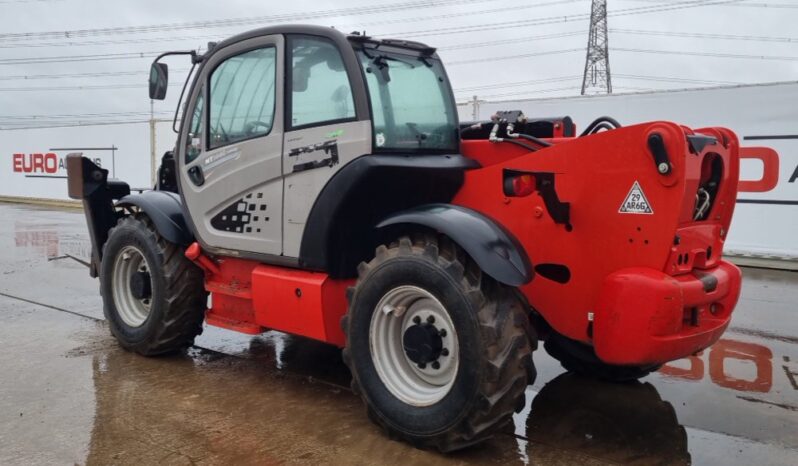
[410,101]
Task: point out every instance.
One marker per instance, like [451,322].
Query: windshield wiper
[380,62]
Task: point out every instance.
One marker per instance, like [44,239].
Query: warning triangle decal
[636,202]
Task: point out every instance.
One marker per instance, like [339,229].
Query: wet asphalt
[70,395]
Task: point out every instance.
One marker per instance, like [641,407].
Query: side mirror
[159,80]
[299,78]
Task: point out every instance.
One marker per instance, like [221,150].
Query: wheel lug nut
[431,319]
[416,320]
[445,352]
[442,332]
[422,365]
[436,365]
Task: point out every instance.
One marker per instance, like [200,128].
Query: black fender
[339,232]
[165,209]
[497,252]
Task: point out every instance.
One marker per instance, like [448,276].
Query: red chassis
[644,285]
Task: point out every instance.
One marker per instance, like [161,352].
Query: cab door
[229,160]
[324,128]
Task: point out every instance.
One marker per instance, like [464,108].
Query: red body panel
[231,296]
[646,317]
[251,298]
[303,303]
[595,174]
[643,288]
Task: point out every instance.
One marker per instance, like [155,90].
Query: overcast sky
[482,42]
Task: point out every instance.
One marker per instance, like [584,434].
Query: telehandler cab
[322,186]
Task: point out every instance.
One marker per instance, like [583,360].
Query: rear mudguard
[495,250]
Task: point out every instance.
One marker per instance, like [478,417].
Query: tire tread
[185,296]
[503,325]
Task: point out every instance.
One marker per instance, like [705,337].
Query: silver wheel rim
[131,310]
[394,314]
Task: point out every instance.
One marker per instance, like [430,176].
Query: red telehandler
[322,186]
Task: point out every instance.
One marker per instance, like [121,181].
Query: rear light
[519,184]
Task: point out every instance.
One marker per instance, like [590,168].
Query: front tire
[440,353]
[153,297]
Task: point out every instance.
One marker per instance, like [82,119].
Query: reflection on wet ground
[69,394]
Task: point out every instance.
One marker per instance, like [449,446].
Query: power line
[537,91]
[440,31]
[707,54]
[472,45]
[511,57]
[31,77]
[527,95]
[674,79]
[4,2]
[450,15]
[620,49]
[140,40]
[671,6]
[80,88]
[767,5]
[698,35]
[749,5]
[81,116]
[145,73]
[76,123]
[446,16]
[558,19]
[74,58]
[517,83]
[280,18]
[358,11]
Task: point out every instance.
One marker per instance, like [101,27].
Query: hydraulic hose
[599,121]
[540,142]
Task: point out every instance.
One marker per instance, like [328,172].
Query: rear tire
[580,359]
[153,296]
[480,380]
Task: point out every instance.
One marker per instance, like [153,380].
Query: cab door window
[194,143]
[320,88]
[242,97]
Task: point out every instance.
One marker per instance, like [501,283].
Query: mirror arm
[195,58]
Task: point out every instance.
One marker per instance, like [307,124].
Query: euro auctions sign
[41,164]
[33,160]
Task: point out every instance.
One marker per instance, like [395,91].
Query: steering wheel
[250,127]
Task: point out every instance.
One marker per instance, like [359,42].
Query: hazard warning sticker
[636,202]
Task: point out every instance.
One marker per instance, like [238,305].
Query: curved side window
[320,89]
[242,97]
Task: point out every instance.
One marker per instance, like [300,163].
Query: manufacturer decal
[219,158]
[328,147]
[636,202]
[379,139]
